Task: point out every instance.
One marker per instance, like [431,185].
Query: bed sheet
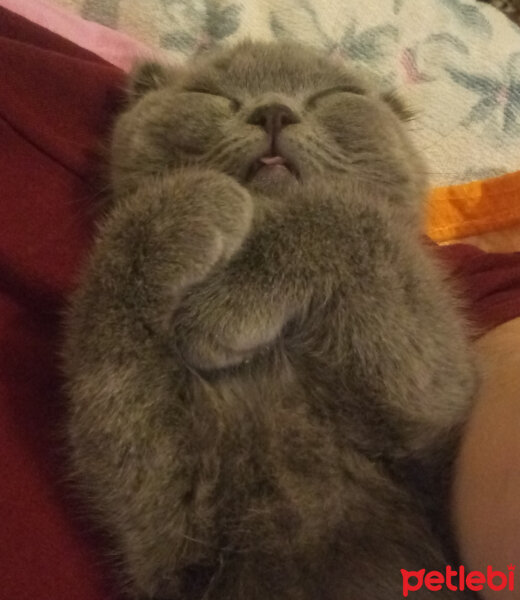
[457,62]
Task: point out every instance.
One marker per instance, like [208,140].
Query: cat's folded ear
[148,75]
[399,106]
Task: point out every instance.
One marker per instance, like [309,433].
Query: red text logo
[455,580]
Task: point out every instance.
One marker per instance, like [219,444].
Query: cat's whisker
[214,578]
[335,162]
[455,174]
[228,151]
[219,147]
[197,541]
[226,144]
[442,137]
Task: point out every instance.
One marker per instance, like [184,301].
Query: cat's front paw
[165,237]
[212,213]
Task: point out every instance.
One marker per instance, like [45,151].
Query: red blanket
[56,102]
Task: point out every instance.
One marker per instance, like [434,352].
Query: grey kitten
[267,371]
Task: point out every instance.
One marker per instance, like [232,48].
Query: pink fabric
[113,46]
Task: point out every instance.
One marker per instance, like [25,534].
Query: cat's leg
[390,551]
[383,548]
[399,568]
[129,428]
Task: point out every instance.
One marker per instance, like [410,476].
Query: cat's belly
[274,464]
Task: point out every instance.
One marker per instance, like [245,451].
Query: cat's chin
[273,178]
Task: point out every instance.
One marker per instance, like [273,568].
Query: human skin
[487,483]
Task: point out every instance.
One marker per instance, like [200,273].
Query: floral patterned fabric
[457,62]
[510,7]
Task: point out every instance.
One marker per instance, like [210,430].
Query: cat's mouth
[272,166]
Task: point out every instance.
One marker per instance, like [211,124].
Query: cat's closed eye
[343,89]
[235,104]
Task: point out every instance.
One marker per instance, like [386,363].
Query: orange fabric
[473,208]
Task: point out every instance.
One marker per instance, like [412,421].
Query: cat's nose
[273,117]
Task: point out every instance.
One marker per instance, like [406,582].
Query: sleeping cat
[267,371]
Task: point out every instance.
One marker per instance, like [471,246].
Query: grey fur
[257,368]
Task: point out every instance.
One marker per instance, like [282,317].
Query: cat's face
[270,115]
